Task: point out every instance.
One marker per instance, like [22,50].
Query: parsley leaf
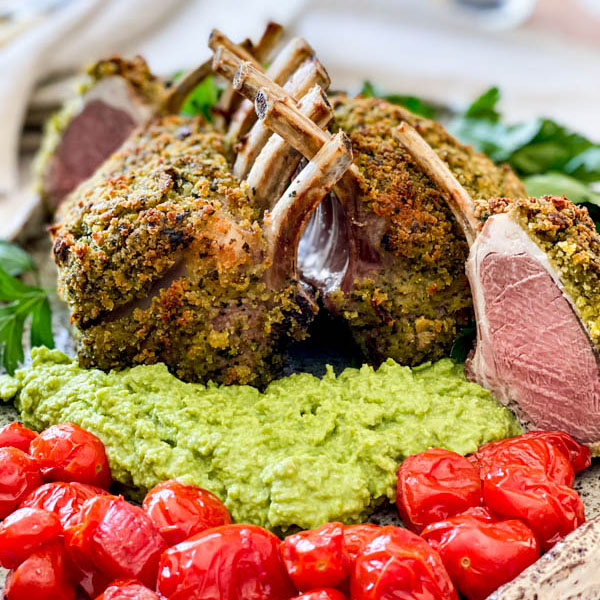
[18,302]
[14,260]
[202,98]
[414,104]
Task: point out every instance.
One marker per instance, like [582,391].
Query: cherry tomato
[125,589]
[550,509]
[42,576]
[63,499]
[25,531]
[232,562]
[15,435]
[322,594]
[115,539]
[434,485]
[399,564]
[19,476]
[578,454]
[480,552]
[527,451]
[68,453]
[180,511]
[316,558]
[356,537]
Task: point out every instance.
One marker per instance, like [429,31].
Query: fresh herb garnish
[18,302]
[463,343]
[414,104]
[202,98]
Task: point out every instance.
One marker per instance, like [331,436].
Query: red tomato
[125,589]
[232,562]
[578,454]
[43,576]
[321,594]
[115,539]
[15,435]
[25,531]
[356,537]
[551,510]
[480,552]
[399,564]
[316,558]
[63,499]
[68,453]
[19,476]
[530,452]
[180,511]
[434,485]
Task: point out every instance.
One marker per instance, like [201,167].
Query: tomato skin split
[481,552]
[434,485]
[69,453]
[16,435]
[232,562]
[180,511]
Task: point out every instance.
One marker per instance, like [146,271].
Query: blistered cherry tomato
[529,452]
[578,454]
[63,499]
[25,531]
[480,552]
[322,594]
[316,557]
[180,511]
[15,435]
[399,564]
[116,539]
[19,476]
[42,576]
[128,589]
[356,537]
[434,485]
[68,453]
[550,509]
[232,562]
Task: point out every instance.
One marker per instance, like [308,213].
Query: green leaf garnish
[202,99]
[558,184]
[14,260]
[19,302]
[463,343]
[414,104]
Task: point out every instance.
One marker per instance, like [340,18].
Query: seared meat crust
[160,260]
[409,308]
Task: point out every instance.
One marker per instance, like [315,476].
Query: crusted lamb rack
[118,96]
[383,249]
[160,263]
[534,270]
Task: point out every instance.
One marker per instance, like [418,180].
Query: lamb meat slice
[534,349]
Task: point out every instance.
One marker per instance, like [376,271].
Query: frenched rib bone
[285,63]
[285,225]
[277,161]
[430,163]
[311,72]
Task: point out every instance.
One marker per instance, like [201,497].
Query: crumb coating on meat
[410,309]
[160,260]
[568,236]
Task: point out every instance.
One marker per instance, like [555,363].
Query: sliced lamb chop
[384,248]
[118,96]
[533,269]
[175,270]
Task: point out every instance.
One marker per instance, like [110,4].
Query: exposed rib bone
[277,162]
[218,39]
[311,72]
[179,92]
[230,100]
[285,63]
[292,212]
[459,200]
